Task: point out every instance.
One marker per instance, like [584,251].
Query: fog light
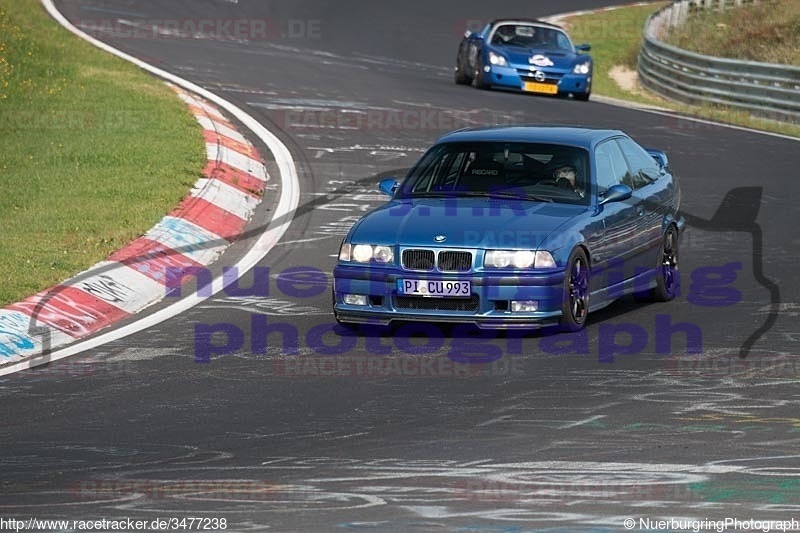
[355,299]
[524,306]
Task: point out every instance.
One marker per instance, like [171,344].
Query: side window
[441,175]
[427,170]
[452,168]
[562,41]
[611,166]
[644,169]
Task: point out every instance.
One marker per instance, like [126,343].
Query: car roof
[570,135]
[525,21]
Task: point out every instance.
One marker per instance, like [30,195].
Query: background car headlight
[518,259]
[364,253]
[582,68]
[497,59]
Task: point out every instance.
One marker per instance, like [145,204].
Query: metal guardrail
[764,89]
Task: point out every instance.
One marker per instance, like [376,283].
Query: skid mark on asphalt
[264,306]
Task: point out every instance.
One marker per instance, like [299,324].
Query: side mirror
[616,193]
[388,186]
[583,47]
[469,34]
[659,156]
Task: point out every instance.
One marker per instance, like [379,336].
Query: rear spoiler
[660,157]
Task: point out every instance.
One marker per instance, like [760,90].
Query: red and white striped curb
[192,236]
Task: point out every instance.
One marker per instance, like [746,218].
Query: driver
[504,34]
[566,176]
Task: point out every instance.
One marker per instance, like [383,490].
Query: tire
[477,76]
[575,300]
[583,97]
[460,78]
[668,280]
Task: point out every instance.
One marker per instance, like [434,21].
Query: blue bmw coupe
[524,55]
[519,226]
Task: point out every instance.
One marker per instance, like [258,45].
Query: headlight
[364,253]
[518,259]
[545,260]
[497,59]
[344,252]
[582,68]
[383,254]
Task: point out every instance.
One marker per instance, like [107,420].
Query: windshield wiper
[511,195]
[481,194]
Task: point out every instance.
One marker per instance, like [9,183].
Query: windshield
[530,36]
[533,171]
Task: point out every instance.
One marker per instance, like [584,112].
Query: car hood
[465,223]
[521,57]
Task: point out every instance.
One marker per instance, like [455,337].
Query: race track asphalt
[535,441]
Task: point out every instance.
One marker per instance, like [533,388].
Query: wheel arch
[672,223]
[586,251]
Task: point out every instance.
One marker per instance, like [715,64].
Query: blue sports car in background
[515,227]
[526,55]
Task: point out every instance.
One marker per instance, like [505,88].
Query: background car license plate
[423,287]
[547,88]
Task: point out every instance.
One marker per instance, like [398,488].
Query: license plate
[546,88]
[442,289]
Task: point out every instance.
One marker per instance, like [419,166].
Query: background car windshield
[528,36]
[546,172]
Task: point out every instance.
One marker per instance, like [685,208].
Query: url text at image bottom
[123,524]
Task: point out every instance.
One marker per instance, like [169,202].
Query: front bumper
[564,82]
[488,307]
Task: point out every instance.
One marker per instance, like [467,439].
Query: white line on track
[582,422]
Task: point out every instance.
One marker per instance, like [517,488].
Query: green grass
[94,151]
[767,32]
[616,38]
